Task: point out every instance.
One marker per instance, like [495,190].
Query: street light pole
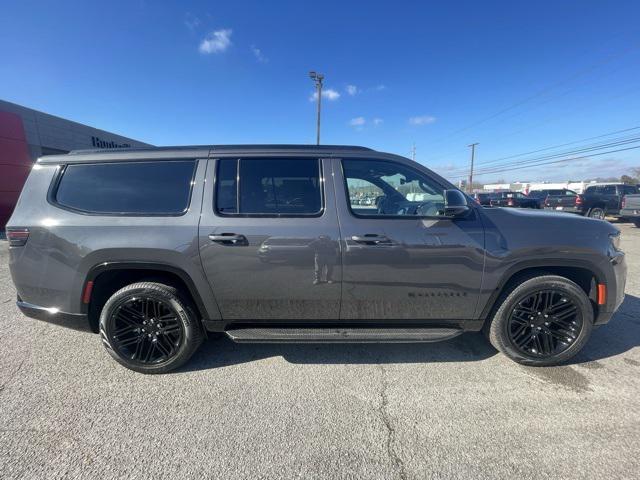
[318,78]
[473,154]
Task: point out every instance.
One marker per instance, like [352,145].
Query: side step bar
[340,335]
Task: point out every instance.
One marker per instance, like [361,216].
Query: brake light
[17,236]
[579,200]
[510,202]
[624,201]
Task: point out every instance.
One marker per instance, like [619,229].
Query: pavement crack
[386,420]
[13,375]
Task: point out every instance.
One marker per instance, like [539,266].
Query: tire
[636,222]
[149,327]
[507,321]
[596,212]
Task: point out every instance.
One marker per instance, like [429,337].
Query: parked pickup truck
[597,201]
[563,201]
[513,199]
[631,209]
[541,195]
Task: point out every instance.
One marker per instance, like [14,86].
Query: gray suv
[158,248]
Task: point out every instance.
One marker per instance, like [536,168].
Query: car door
[611,198]
[268,239]
[401,258]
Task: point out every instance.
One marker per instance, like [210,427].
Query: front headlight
[615,241]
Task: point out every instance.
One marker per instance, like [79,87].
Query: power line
[586,148]
[541,92]
[558,146]
[550,162]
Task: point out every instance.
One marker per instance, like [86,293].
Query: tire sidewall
[156,292]
[499,334]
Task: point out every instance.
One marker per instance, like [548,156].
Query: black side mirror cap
[455,203]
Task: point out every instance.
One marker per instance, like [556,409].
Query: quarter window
[381,188]
[137,188]
[270,187]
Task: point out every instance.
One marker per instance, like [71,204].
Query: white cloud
[422,120]
[216,42]
[191,21]
[357,122]
[258,54]
[377,121]
[379,87]
[329,94]
[352,90]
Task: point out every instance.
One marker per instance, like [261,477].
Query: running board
[341,335]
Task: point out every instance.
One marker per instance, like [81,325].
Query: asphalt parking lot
[449,410]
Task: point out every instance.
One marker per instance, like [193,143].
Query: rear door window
[121,188]
[268,187]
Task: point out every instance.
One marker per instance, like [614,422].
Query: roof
[199,151]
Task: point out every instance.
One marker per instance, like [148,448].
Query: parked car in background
[606,199]
[484,199]
[153,248]
[542,194]
[513,199]
[563,200]
[630,210]
[597,201]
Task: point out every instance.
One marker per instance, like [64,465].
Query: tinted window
[609,190]
[269,187]
[627,189]
[127,188]
[227,190]
[382,188]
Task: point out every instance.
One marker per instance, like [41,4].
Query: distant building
[26,134]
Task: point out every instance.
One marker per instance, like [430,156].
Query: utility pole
[413,152]
[317,78]
[473,154]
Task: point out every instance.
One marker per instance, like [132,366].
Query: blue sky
[513,76]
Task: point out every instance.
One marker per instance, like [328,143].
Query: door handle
[372,239]
[229,239]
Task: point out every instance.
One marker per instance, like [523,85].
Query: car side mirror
[455,203]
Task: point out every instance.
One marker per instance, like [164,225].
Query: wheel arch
[109,277]
[585,274]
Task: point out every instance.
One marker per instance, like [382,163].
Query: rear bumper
[565,209]
[75,321]
[630,213]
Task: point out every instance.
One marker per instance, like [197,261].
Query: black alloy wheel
[146,330]
[150,327]
[541,320]
[544,323]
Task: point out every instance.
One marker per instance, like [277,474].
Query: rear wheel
[636,222]
[542,321]
[148,327]
[597,212]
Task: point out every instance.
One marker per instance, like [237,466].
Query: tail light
[624,201]
[510,202]
[546,201]
[17,236]
[579,200]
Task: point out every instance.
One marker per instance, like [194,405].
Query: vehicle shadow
[619,336]
[223,352]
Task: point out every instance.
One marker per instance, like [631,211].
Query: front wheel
[542,321]
[148,327]
[597,212]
